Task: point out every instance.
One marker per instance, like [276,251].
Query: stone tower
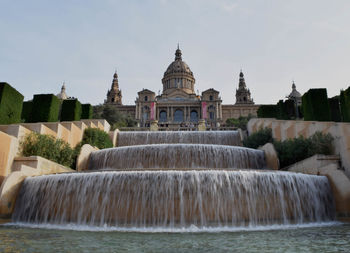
[243,93]
[114,95]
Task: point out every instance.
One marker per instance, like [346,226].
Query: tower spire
[178,53]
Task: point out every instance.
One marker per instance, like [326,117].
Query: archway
[179,116]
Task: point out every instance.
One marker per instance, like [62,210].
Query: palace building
[179,105]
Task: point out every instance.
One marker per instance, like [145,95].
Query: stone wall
[235,111]
[329,166]
[12,135]
[286,129]
[24,167]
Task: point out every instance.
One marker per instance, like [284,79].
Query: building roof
[178,65]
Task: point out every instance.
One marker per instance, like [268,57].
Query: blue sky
[82,42]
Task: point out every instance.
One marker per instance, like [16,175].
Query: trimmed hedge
[86,111]
[46,108]
[345,105]
[97,138]
[316,106]
[267,111]
[334,105]
[27,111]
[10,104]
[71,110]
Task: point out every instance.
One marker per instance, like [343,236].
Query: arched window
[162,116]
[194,116]
[179,116]
[211,115]
[146,98]
[211,97]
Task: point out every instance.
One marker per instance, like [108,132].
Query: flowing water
[175,192]
[190,137]
[177,156]
[175,199]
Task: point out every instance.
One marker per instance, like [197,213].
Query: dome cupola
[178,76]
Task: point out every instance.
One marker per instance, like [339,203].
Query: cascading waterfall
[177,156]
[231,138]
[173,199]
[175,180]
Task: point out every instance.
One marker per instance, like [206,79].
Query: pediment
[178,93]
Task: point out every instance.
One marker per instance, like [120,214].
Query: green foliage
[345,104]
[241,122]
[97,138]
[282,110]
[10,104]
[113,116]
[334,105]
[27,109]
[258,138]
[86,111]
[267,111]
[47,146]
[294,150]
[45,108]
[316,106]
[71,110]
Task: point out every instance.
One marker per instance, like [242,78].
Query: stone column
[201,125]
[154,125]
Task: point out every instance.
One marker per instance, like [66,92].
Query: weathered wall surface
[84,157]
[8,151]
[328,166]
[12,135]
[24,167]
[286,129]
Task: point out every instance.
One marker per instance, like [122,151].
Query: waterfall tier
[177,156]
[231,138]
[175,199]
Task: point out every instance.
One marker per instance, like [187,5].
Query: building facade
[178,104]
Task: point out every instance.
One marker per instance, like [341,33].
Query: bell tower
[243,93]
[114,95]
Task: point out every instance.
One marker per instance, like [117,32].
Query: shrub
[47,146]
[10,104]
[71,110]
[315,105]
[294,150]
[27,109]
[334,105]
[345,105]
[86,111]
[258,138]
[267,111]
[96,137]
[241,122]
[45,108]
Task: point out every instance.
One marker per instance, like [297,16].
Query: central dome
[178,76]
[178,66]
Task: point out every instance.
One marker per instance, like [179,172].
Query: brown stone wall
[235,111]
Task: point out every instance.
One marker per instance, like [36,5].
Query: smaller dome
[294,93]
[62,95]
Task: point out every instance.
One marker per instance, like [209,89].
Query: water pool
[326,237]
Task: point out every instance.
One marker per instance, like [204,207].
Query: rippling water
[326,238]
